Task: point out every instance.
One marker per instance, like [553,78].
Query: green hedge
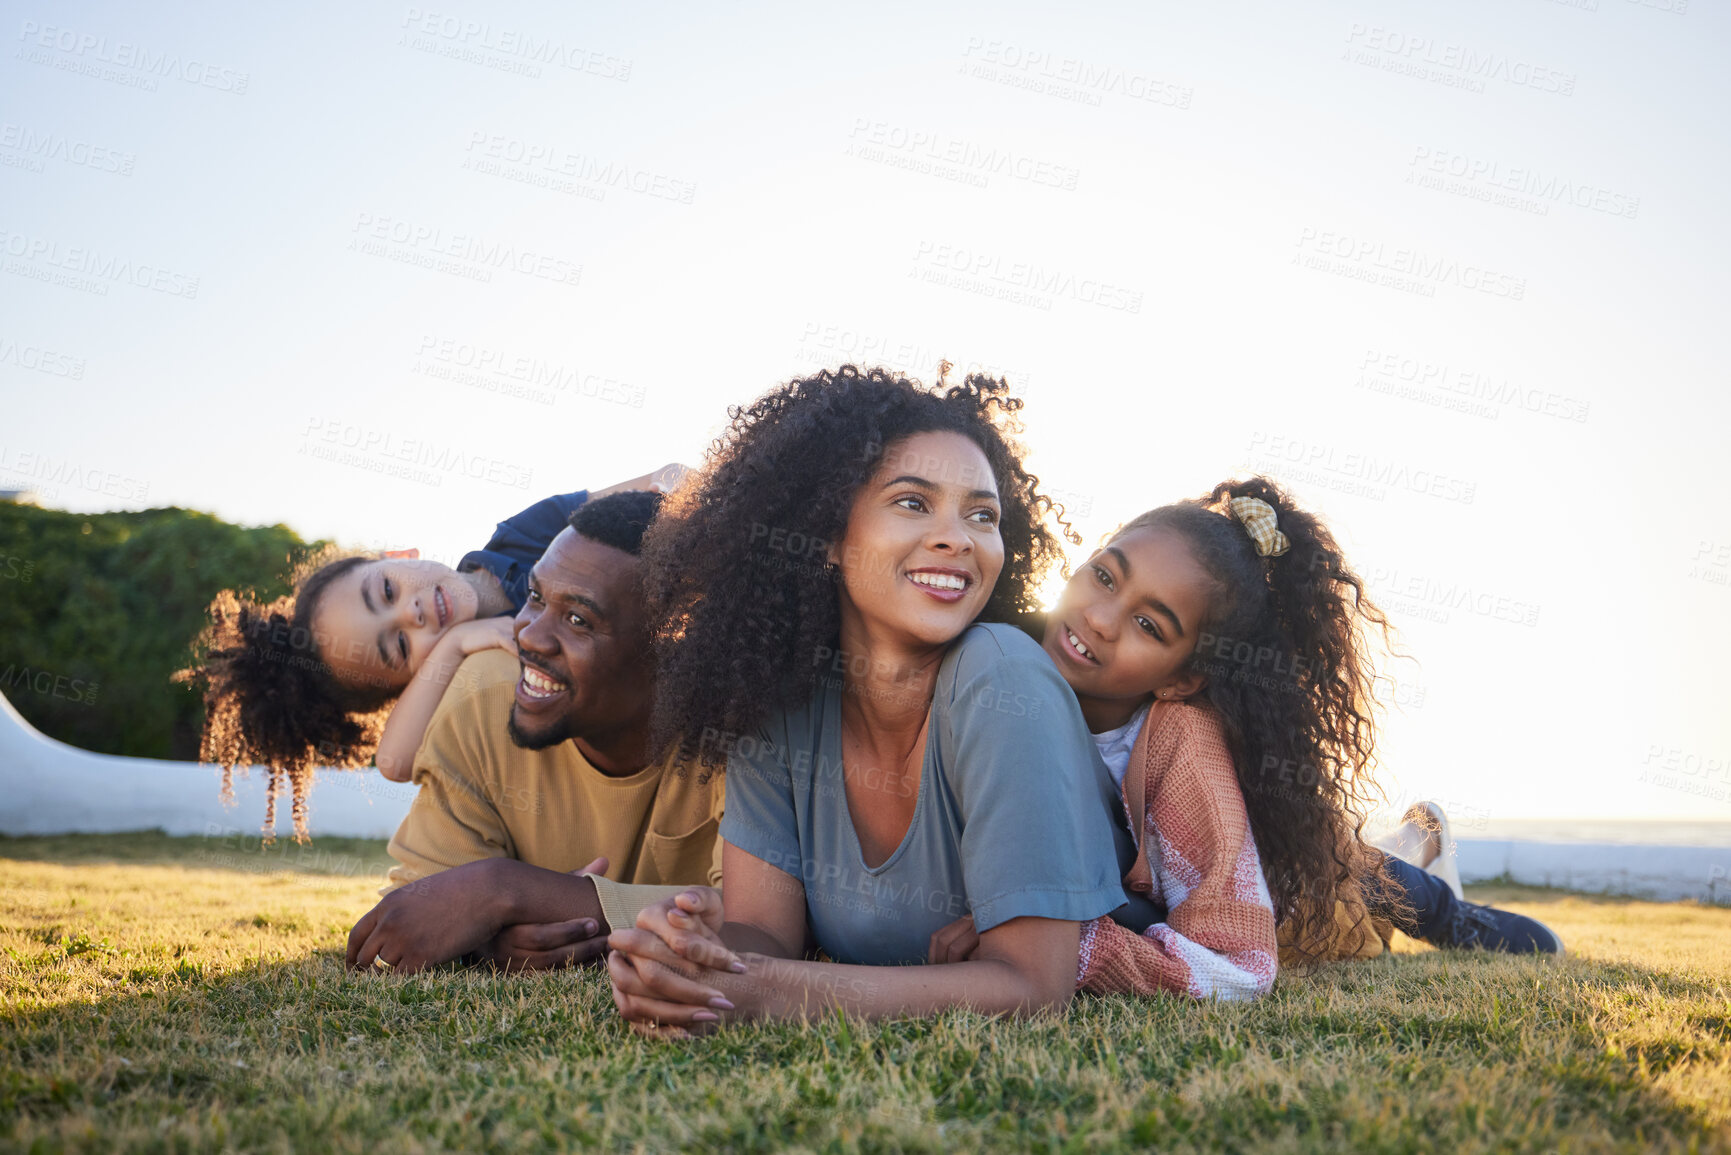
[97,611]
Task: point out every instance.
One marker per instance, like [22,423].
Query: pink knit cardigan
[1196,857]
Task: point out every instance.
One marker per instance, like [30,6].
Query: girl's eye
[1150,629]
[403,645]
[1102,576]
[390,594]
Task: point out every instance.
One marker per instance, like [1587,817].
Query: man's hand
[430,921]
[534,946]
[537,946]
[954,943]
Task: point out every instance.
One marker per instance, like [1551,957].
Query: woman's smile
[942,583]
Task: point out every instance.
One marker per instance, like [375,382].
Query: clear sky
[386,273]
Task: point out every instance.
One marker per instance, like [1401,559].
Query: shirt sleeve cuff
[620,901]
[1064,905]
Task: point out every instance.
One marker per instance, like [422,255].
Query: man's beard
[554,734]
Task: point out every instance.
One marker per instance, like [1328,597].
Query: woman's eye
[911,501]
[986,516]
[390,594]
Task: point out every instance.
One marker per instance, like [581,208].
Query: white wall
[48,787]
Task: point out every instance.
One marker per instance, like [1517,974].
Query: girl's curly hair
[1285,651]
[269,697]
[735,575]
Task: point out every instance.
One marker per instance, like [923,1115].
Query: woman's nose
[950,535]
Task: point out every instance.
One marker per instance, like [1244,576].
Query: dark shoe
[1485,928]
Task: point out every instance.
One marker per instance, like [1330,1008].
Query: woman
[301,682]
[891,764]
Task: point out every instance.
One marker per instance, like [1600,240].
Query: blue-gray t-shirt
[1014,815]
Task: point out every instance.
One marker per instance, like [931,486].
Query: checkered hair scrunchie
[1259,521]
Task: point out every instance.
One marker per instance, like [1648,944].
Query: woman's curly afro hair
[270,699]
[735,569]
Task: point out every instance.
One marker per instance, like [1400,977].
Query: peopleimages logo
[1373,257]
[1018,281]
[88,48]
[92,268]
[44,146]
[462,253]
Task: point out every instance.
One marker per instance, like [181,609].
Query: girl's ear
[1182,687]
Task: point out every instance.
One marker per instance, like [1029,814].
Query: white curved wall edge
[1665,873]
[49,787]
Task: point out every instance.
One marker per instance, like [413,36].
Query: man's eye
[535,596]
[577,621]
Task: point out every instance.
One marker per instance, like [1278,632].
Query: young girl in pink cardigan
[1218,650]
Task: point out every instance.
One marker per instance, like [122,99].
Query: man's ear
[1182,687]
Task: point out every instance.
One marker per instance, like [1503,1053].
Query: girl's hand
[483,634]
[954,943]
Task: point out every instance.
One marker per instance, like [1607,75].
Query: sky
[387,273]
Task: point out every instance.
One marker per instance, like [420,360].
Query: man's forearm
[518,892]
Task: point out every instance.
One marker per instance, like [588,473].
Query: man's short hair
[618,520]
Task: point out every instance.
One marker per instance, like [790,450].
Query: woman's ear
[1182,687]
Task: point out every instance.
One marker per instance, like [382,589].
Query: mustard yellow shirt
[483,796]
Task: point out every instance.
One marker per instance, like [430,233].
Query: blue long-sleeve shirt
[518,543]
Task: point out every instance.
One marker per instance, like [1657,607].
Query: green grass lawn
[188,994]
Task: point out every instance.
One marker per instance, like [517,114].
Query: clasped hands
[674,977]
[672,974]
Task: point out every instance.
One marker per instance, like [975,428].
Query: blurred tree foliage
[98,610]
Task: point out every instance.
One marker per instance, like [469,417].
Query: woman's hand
[668,477]
[662,969]
[954,943]
[662,480]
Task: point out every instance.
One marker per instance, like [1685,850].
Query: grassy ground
[191,997]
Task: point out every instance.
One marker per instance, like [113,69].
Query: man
[535,772]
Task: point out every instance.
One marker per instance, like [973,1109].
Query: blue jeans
[1418,903]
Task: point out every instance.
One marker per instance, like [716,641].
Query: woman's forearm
[1021,967]
[745,938]
[784,988]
